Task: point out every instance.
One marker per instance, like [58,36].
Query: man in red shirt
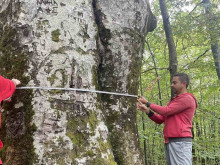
[177,117]
[7,88]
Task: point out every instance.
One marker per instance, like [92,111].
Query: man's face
[177,86]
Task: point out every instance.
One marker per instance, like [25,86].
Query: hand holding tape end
[16,82]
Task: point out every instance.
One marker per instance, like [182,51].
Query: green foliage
[193,32]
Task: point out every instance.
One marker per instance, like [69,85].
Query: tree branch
[154,69]
[197,58]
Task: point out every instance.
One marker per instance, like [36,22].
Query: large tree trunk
[93,44]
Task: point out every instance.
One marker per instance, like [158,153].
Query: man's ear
[184,82]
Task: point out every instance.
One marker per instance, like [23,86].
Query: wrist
[14,82]
[150,114]
[148,104]
[146,110]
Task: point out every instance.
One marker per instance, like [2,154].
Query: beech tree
[89,44]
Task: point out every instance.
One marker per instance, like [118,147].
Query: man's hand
[142,107]
[16,82]
[142,100]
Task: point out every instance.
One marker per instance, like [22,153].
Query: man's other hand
[16,82]
[142,108]
[142,100]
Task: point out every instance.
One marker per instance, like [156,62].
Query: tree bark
[216,56]
[94,44]
[169,37]
[213,27]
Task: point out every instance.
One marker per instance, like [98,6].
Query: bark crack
[104,34]
[103,37]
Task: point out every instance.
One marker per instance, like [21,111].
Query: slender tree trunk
[169,37]
[156,72]
[91,44]
[216,56]
[143,124]
[213,26]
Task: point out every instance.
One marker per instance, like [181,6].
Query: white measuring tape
[77,89]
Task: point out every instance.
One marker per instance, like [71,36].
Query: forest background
[195,28]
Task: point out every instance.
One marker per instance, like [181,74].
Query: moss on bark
[19,130]
[55,35]
[17,135]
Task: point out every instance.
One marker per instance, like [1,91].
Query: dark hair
[183,77]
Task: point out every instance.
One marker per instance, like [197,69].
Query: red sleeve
[157,118]
[174,107]
[7,88]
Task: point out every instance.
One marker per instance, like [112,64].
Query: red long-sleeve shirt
[7,88]
[177,116]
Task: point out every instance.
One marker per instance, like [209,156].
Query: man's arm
[173,108]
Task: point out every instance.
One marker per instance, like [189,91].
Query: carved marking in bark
[45,2]
[47,6]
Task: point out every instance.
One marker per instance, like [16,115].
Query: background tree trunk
[94,44]
[169,37]
[216,56]
[213,26]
